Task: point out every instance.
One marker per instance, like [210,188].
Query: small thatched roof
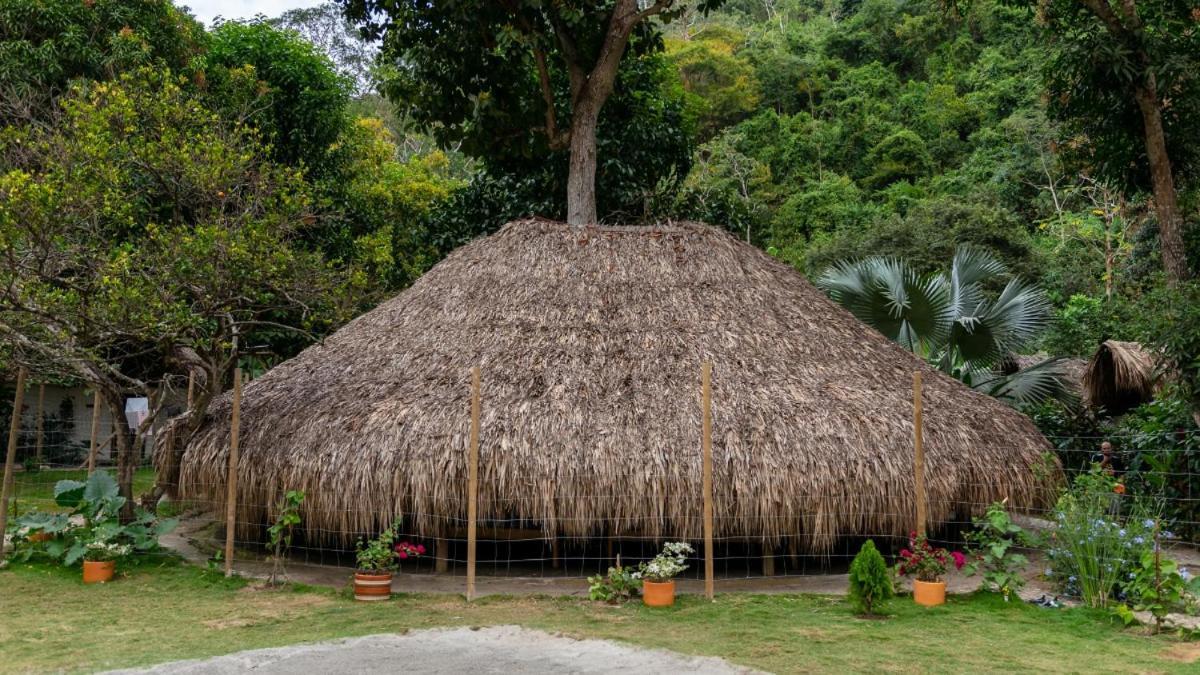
[1120,376]
[591,342]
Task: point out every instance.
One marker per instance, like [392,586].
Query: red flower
[959,559]
[905,553]
[402,555]
[421,549]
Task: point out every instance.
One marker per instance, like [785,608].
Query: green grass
[35,489]
[174,611]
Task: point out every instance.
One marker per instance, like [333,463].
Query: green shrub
[619,585]
[993,549]
[870,579]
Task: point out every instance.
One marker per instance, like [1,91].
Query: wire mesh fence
[1153,498]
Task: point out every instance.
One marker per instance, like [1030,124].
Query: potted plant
[100,560]
[377,560]
[658,575]
[927,564]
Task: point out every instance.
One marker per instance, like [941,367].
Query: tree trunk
[581,180]
[125,460]
[1166,200]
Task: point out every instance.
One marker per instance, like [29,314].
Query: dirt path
[499,649]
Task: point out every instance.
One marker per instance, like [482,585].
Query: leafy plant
[949,319]
[991,546]
[870,579]
[618,585]
[93,526]
[668,564]
[280,532]
[383,554]
[1094,547]
[925,561]
[1158,587]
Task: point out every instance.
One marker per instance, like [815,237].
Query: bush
[619,585]
[1098,542]
[870,579]
[992,545]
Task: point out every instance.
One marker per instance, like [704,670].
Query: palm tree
[951,321]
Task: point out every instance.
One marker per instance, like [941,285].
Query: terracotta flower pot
[929,593]
[372,587]
[98,572]
[658,593]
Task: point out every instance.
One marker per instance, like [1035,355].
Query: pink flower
[905,553]
[402,555]
[421,549]
[959,559]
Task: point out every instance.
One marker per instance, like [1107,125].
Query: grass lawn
[35,489]
[169,611]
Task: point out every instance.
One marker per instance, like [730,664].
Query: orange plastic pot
[39,537]
[372,587]
[98,572]
[658,593]
[929,593]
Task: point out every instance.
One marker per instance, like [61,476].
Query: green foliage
[91,529]
[870,579]
[302,103]
[378,555]
[719,82]
[1171,326]
[950,320]
[902,156]
[1159,587]
[279,534]
[45,44]
[169,230]
[619,585]
[1091,75]
[1100,534]
[992,545]
[1082,324]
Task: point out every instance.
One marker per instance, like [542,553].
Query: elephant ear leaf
[68,493]
[73,554]
[101,486]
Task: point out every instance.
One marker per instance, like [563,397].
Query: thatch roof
[591,342]
[1119,376]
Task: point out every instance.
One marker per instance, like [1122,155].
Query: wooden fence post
[232,480]
[41,423]
[918,454]
[14,433]
[706,443]
[191,388]
[94,449]
[473,484]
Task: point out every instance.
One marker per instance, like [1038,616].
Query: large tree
[1126,73]
[471,69]
[143,237]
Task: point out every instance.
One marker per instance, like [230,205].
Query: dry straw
[1119,376]
[591,342]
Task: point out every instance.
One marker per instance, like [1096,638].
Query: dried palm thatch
[591,342]
[1120,376]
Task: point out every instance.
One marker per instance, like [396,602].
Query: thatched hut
[591,342]
[1119,377]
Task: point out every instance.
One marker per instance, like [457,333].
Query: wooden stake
[231,483]
[918,454]
[706,443]
[441,552]
[94,449]
[191,388]
[554,560]
[14,433]
[768,554]
[473,484]
[41,417]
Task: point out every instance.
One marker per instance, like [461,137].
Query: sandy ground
[499,649]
